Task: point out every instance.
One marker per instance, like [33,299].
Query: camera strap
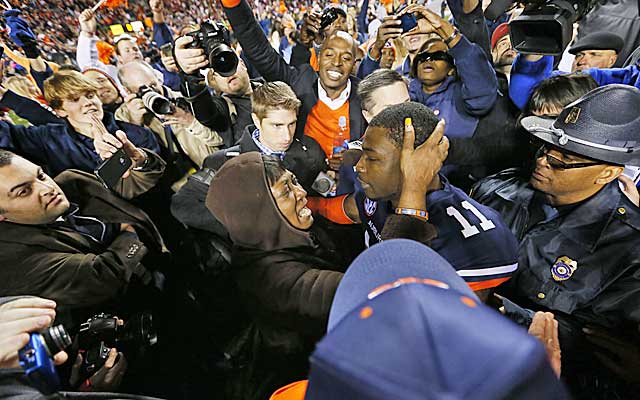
[233,112]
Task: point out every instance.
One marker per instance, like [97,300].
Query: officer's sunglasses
[558,164]
[435,56]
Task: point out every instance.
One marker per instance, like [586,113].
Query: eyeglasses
[435,56]
[557,164]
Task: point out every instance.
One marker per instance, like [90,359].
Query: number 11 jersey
[471,236]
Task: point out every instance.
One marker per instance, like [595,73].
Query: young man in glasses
[579,235]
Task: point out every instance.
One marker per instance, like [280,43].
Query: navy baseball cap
[385,263]
[422,338]
[604,124]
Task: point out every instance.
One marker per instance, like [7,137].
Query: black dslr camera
[214,39]
[102,332]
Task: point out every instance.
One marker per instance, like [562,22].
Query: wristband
[454,35]
[422,214]
[371,58]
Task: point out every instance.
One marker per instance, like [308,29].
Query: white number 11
[469,230]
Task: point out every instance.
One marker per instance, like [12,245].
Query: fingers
[111,360]
[122,137]
[60,358]
[31,324]
[9,347]
[409,135]
[24,313]
[29,302]
[536,328]
[182,42]
[437,138]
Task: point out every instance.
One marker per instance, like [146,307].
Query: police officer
[579,236]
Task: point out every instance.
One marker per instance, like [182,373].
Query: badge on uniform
[563,268]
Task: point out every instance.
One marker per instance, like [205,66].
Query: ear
[367,115]
[614,58]
[608,174]
[256,120]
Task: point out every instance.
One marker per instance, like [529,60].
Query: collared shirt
[466,230]
[338,102]
[98,231]
[264,149]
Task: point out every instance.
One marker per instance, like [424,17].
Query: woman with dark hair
[286,270]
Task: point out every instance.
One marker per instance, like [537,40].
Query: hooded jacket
[287,277]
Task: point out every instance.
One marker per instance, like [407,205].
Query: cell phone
[408,22]
[166,50]
[110,171]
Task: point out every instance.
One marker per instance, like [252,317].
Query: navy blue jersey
[472,237]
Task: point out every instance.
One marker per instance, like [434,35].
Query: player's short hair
[273,96]
[392,119]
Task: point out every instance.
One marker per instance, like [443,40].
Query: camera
[323,184]
[154,101]
[545,26]
[36,357]
[214,39]
[102,332]
[329,15]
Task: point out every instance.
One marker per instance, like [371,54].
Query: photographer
[228,111]
[191,137]
[21,316]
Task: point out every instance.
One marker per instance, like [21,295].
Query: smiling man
[579,234]
[329,100]
[70,239]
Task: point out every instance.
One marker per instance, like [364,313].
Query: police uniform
[580,261]
[472,237]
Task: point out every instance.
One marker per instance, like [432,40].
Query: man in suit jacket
[72,240]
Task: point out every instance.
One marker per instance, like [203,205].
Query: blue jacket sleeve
[162,34]
[627,76]
[257,48]
[471,25]
[32,111]
[362,17]
[29,142]
[479,82]
[40,77]
[525,76]
[367,66]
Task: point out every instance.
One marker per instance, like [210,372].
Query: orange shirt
[322,125]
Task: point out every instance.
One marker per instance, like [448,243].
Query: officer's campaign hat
[603,125]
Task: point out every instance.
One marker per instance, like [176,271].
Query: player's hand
[545,328]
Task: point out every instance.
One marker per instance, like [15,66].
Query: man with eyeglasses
[579,235]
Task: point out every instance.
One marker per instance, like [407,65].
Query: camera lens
[56,338]
[223,60]
[157,103]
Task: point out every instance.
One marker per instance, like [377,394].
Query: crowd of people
[288,200]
